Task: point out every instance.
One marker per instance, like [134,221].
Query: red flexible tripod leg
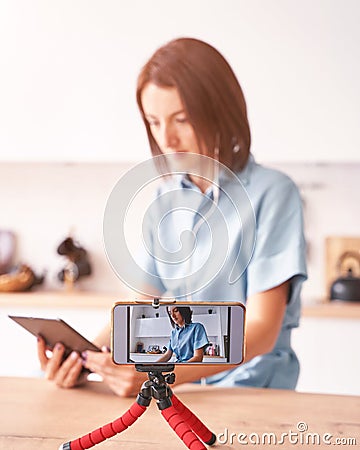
[107,431]
[182,429]
[185,424]
[193,421]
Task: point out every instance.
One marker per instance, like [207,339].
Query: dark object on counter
[139,347]
[79,264]
[347,288]
[20,278]
[153,349]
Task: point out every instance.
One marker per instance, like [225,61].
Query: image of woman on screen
[188,339]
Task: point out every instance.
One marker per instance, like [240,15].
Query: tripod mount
[185,424]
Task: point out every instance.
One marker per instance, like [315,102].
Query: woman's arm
[198,355]
[165,357]
[264,317]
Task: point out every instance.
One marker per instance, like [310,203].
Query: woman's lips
[177,152]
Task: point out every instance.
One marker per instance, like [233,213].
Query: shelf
[333,309]
[90,299]
[149,357]
[59,299]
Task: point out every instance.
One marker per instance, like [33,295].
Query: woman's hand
[166,356]
[123,380]
[65,374]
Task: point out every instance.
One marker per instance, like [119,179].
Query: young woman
[188,339]
[191,102]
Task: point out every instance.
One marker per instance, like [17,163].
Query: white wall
[68,71]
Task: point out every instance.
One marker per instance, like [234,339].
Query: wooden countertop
[79,299]
[37,415]
[66,299]
[333,309]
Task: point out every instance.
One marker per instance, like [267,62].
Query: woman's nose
[168,137]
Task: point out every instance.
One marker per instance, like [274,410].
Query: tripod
[185,424]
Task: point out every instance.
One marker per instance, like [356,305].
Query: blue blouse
[185,340]
[252,242]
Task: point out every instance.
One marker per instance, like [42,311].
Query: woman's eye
[181,119]
[151,121]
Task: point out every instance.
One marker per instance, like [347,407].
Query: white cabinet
[144,328]
[328,350]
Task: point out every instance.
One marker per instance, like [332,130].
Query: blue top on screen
[185,340]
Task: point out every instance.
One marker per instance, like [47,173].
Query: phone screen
[197,333]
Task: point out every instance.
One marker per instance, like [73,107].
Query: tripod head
[157,386]
[154,368]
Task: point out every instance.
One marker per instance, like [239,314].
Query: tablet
[56,330]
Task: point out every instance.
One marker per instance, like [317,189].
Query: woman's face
[167,119]
[176,316]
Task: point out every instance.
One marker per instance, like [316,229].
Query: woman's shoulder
[268,176]
[197,325]
[262,180]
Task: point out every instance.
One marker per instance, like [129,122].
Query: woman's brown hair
[211,95]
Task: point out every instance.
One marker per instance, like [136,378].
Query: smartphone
[56,330]
[146,333]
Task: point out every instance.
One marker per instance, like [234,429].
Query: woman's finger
[41,351]
[71,377]
[97,361]
[55,361]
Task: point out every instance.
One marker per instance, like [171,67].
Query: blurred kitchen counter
[90,299]
[62,299]
[334,309]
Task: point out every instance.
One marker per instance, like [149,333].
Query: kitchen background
[43,202]
[69,129]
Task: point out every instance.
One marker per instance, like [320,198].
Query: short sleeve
[279,252]
[200,337]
